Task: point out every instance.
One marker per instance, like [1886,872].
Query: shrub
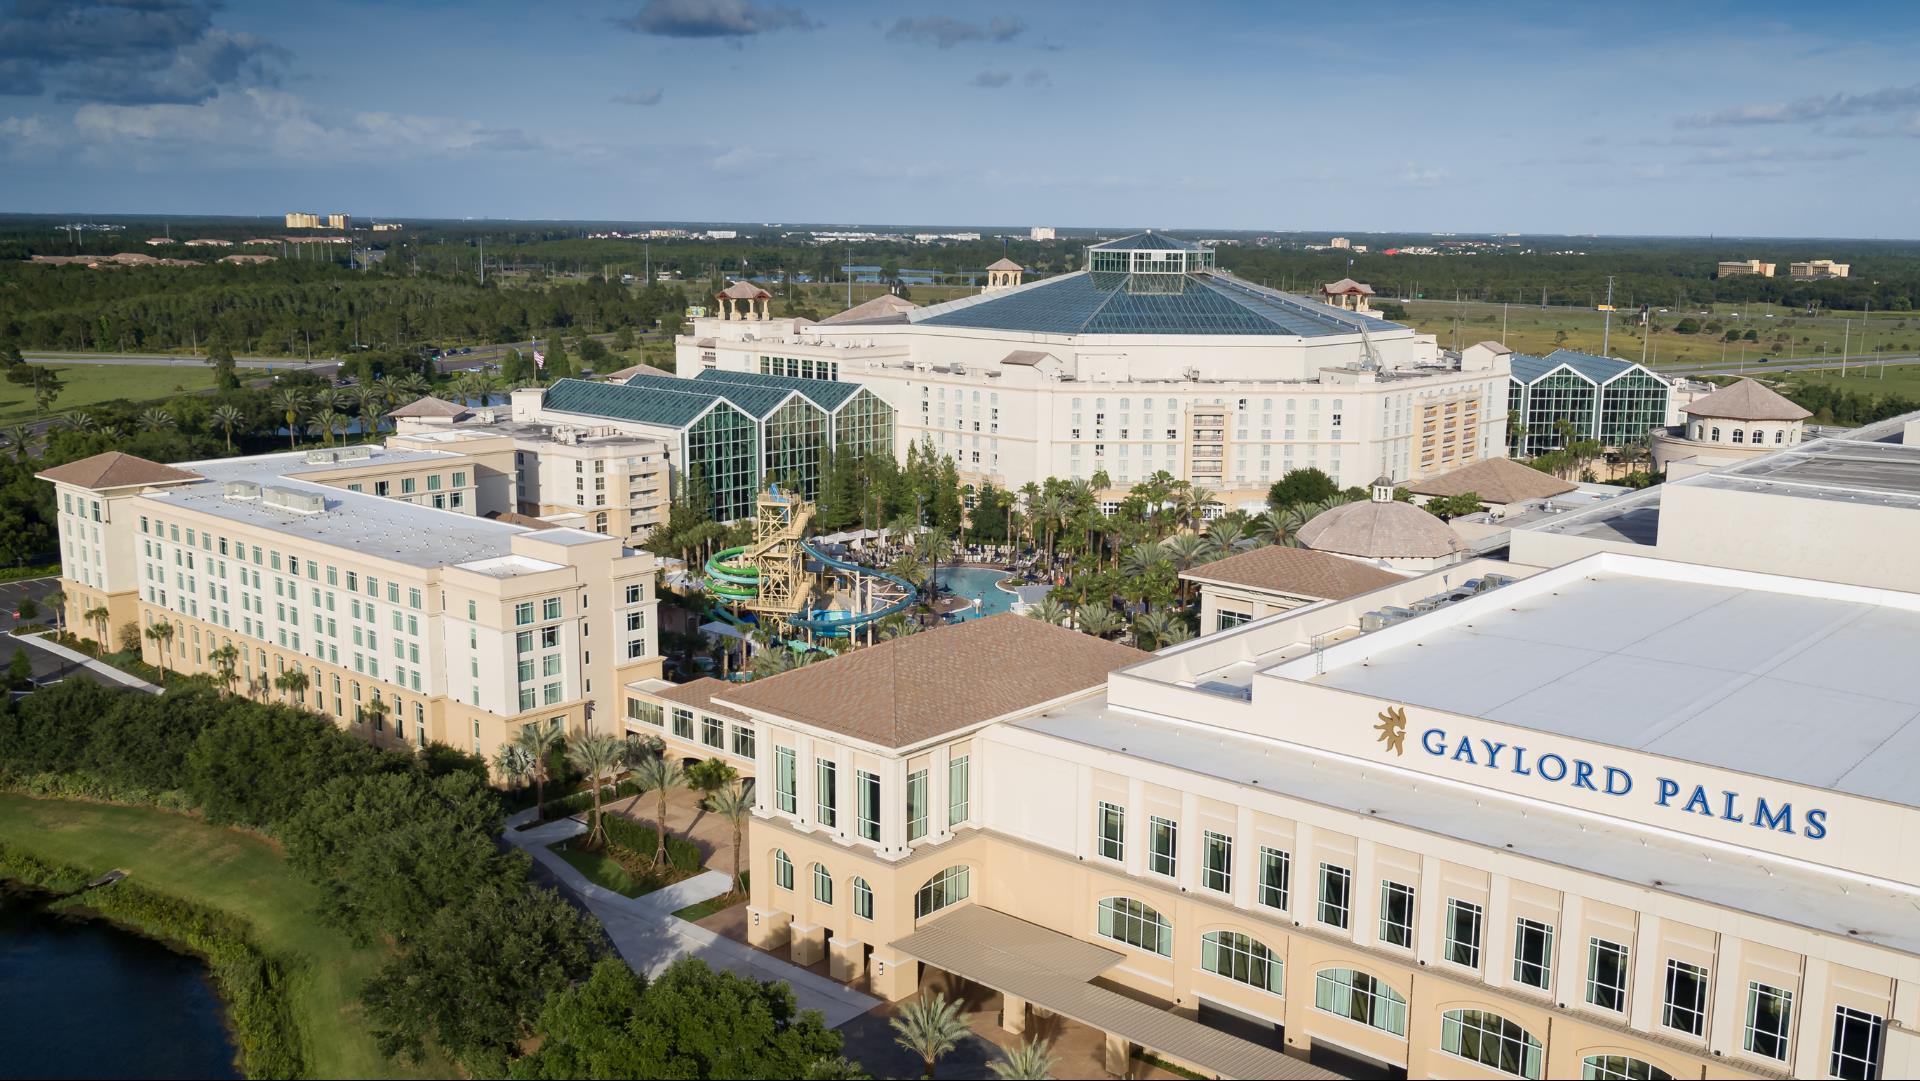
[638,837]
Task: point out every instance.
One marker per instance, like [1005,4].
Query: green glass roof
[1112,303]
[647,403]
[755,401]
[1147,241]
[828,394]
[1529,369]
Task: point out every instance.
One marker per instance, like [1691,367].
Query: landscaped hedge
[643,840]
[568,806]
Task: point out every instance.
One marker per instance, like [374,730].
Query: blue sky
[1726,118]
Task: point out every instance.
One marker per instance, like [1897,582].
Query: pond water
[83,998]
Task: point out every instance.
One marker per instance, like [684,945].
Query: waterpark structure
[782,580]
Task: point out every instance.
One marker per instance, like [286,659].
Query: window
[1239,957]
[1335,883]
[1686,1007]
[862,899]
[742,740]
[1216,861]
[1856,1044]
[713,733]
[1126,920]
[1396,914]
[1607,975]
[1276,869]
[1620,1068]
[824,801]
[550,608]
[683,723]
[784,780]
[1490,1040]
[644,712]
[822,884]
[1113,831]
[523,613]
[867,786]
[959,790]
[1162,836]
[1463,933]
[1532,953]
[1769,1020]
[1357,996]
[916,805]
[782,870]
[949,886]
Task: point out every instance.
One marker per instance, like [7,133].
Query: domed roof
[1381,529]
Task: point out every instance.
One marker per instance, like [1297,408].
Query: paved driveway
[12,593]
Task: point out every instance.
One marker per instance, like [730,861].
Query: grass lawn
[697,912]
[238,873]
[1900,379]
[91,384]
[604,871]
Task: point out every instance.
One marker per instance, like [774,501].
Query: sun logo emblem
[1393,729]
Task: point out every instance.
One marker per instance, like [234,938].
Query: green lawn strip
[696,912]
[604,871]
[91,384]
[233,872]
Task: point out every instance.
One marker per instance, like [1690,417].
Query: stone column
[768,928]
[1119,1055]
[894,976]
[1013,1013]
[808,943]
[846,959]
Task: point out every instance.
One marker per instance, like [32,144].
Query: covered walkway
[1027,963]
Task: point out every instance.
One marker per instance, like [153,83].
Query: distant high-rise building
[1339,242]
[1730,268]
[1042,232]
[387,227]
[298,219]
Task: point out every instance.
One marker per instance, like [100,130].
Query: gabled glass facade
[1617,408]
[864,425]
[723,447]
[791,440]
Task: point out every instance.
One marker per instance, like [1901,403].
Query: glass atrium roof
[1087,302]
[1148,241]
[1529,369]
[647,403]
[755,401]
[828,394]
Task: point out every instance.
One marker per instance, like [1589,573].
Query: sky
[1753,118]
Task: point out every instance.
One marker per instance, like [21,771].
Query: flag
[539,360]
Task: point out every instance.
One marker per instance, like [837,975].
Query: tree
[1299,486]
[227,418]
[1097,620]
[1454,506]
[692,1021]
[154,419]
[736,806]
[161,635]
[514,763]
[375,713]
[599,757]
[225,661]
[930,1026]
[99,614]
[660,775]
[709,776]
[19,669]
[539,741]
[220,359]
[292,683]
[289,403]
[1030,1060]
[1049,611]
[56,603]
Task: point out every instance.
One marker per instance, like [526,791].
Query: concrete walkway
[74,656]
[649,936]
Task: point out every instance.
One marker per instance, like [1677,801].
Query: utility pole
[1503,322]
[1606,327]
[1846,334]
[483,260]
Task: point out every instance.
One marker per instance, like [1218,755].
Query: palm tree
[1049,611]
[734,805]
[56,603]
[1178,631]
[1152,627]
[79,421]
[154,419]
[1279,525]
[598,757]
[539,742]
[292,683]
[660,775]
[20,438]
[1225,535]
[514,763]
[289,403]
[1193,505]
[225,660]
[1185,551]
[366,402]
[98,614]
[1029,1061]
[1139,560]
[930,1026]
[161,635]
[227,418]
[1095,619]
[375,713]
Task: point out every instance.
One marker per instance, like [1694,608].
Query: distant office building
[1815,269]
[387,227]
[1730,268]
[1042,232]
[301,220]
[1339,242]
[209,242]
[723,234]
[1604,398]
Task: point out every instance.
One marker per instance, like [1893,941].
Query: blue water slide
[838,624]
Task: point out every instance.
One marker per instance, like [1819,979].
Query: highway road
[1865,366]
[480,356]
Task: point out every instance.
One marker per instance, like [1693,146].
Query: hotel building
[1152,359]
[1628,810]
[372,572]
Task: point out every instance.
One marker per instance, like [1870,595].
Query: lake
[83,998]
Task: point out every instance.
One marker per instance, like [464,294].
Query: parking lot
[12,593]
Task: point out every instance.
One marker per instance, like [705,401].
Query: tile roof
[1300,572]
[1085,302]
[1347,285]
[1496,480]
[430,406]
[1381,529]
[114,469]
[699,694]
[1746,400]
[1005,264]
[884,306]
[744,291]
[907,690]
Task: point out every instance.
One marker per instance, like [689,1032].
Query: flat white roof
[1801,681]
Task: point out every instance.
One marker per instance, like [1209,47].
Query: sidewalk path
[646,932]
[74,656]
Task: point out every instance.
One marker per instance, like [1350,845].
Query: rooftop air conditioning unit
[1373,621]
[294,499]
[1393,614]
[322,457]
[241,489]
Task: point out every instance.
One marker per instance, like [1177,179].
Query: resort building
[1816,269]
[364,583]
[1384,532]
[1499,484]
[1734,267]
[1276,578]
[1603,398]
[1151,359]
[1742,421]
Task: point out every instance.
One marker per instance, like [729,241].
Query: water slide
[740,582]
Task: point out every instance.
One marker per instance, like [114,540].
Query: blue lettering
[1464,753]
[1699,800]
[1728,813]
[1668,790]
[1493,752]
[1766,818]
[1626,783]
[1427,740]
[1558,765]
[1583,775]
[1520,762]
[1816,824]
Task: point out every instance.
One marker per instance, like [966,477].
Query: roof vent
[242,489]
[322,457]
[293,499]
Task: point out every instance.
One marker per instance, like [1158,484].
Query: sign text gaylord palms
[1676,795]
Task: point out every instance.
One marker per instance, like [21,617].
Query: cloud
[649,96]
[1038,77]
[714,19]
[1414,176]
[990,80]
[128,52]
[1810,109]
[1772,157]
[944,32]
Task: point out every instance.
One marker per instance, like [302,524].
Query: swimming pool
[977,583]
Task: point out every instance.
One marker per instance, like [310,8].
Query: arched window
[1699,430]
[1243,958]
[1490,1040]
[782,870]
[1716,433]
[1739,435]
[822,884]
[862,899]
[1124,919]
[1757,437]
[1620,1068]
[951,885]
[1357,996]
[1779,435]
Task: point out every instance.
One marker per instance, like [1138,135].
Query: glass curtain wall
[864,425]
[721,447]
[791,439]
